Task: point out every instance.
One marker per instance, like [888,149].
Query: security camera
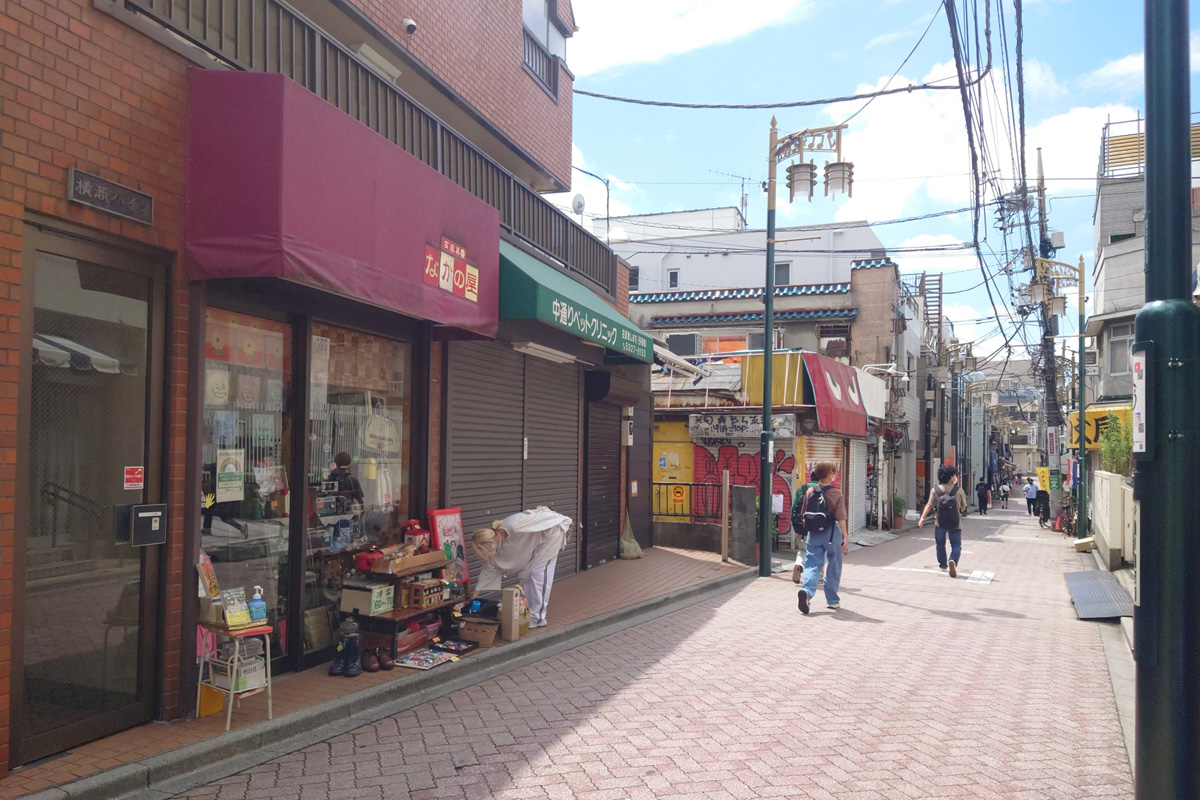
[410,26]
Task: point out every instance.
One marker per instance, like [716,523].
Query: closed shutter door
[553,429]
[855,487]
[485,428]
[603,484]
[822,448]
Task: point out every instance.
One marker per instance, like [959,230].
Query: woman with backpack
[950,503]
[824,519]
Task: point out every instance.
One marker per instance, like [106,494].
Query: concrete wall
[875,292]
[729,260]
[657,226]
[707,536]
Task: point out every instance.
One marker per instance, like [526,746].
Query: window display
[360,411]
[245,450]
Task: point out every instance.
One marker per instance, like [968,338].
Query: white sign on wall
[1139,402]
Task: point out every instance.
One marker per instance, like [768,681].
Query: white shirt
[534,537]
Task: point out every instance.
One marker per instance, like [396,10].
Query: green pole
[1167,481]
[765,455]
[1081,519]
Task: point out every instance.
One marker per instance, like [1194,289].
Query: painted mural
[711,457]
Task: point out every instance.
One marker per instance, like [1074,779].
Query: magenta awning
[281,184]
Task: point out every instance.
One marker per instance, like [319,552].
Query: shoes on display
[802,601]
[353,649]
[385,660]
[370,661]
[338,667]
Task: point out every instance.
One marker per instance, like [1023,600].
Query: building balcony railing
[540,63]
[1123,147]
[270,36]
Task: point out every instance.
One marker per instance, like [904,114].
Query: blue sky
[1082,61]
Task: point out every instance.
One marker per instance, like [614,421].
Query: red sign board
[135,478]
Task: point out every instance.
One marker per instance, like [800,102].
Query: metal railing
[540,63]
[695,502]
[1123,147]
[269,36]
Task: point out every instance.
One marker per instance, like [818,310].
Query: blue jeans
[822,546]
[939,535]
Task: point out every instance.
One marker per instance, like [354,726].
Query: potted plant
[899,506]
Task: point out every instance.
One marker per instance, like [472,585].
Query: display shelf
[404,573]
[404,615]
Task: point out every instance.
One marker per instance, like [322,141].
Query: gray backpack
[946,509]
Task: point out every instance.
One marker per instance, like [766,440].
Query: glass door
[85,597]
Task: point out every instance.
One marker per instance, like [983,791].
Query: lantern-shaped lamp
[801,180]
[1037,292]
[1058,305]
[839,178]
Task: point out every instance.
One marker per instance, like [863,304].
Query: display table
[231,666]
[392,622]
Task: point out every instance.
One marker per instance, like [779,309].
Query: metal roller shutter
[855,486]
[485,434]
[603,484]
[552,427]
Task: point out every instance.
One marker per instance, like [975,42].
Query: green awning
[530,289]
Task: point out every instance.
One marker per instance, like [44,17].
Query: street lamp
[607,201]
[801,180]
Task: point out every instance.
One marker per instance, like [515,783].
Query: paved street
[919,687]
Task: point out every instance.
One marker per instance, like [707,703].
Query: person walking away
[528,544]
[982,490]
[1031,491]
[798,524]
[947,502]
[1004,495]
[828,537]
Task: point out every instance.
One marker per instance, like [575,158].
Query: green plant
[899,505]
[1116,447]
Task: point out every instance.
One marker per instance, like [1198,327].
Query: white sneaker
[538,624]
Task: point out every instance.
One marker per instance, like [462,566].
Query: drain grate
[1098,595]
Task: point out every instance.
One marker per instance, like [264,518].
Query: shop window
[633,279]
[783,274]
[245,447]
[360,419]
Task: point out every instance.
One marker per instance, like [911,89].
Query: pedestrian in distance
[1031,490]
[1004,490]
[982,490]
[824,519]
[947,502]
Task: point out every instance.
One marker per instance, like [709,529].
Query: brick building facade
[103,93]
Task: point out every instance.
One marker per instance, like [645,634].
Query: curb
[184,768]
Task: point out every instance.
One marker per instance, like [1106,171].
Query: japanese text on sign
[448,269]
[94,191]
[738,426]
[593,327]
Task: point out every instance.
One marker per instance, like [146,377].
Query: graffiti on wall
[741,458]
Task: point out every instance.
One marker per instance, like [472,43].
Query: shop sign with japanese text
[112,198]
[447,268]
[739,426]
[590,326]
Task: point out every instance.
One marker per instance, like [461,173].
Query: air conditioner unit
[1091,358]
[685,344]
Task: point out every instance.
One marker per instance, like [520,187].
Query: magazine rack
[209,659]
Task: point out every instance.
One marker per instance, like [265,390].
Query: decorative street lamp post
[839,177]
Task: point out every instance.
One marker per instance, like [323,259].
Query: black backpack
[946,513]
[816,517]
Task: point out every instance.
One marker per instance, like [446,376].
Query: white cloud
[1127,74]
[934,260]
[616,32]
[1070,144]
[885,38]
[1040,80]
[594,194]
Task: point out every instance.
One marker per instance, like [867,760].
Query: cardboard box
[425,594]
[510,614]
[251,674]
[378,598]
[1083,545]
[395,565]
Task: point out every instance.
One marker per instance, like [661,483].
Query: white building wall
[641,227]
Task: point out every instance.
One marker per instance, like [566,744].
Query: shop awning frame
[837,394]
[531,290]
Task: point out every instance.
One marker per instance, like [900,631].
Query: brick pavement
[920,687]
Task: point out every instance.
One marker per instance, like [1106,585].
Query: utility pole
[1165,435]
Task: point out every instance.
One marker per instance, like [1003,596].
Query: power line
[933,85]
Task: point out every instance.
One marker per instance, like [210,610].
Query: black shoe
[802,600]
[338,667]
[353,650]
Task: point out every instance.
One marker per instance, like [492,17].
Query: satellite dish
[577,204]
